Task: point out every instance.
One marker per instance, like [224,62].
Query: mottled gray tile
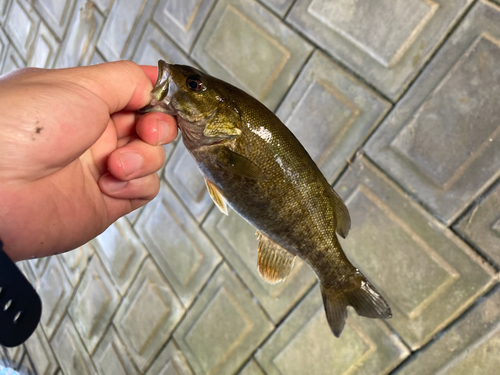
[104,5]
[184,176]
[147,315]
[481,226]
[121,253]
[26,367]
[223,327]
[21,25]
[79,44]
[182,19]
[155,45]
[251,368]
[123,28]
[331,113]
[4,10]
[4,43]
[442,141]
[170,362]
[304,344]
[12,60]
[15,356]
[246,45]
[279,6]
[237,241]
[44,50]
[55,291]
[386,42]
[70,351]
[93,305]
[429,283]
[181,250]
[111,356]
[38,266]
[56,13]
[470,346]
[75,262]
[41,354]
[97,58]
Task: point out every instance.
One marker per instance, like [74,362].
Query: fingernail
[131,162]
[112,184]
[163,131]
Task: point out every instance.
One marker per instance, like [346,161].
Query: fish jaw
[162,92]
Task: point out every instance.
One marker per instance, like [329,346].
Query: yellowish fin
[217,197]
[363,297]
[274,263]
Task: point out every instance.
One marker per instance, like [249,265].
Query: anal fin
[217,197]
[274,263]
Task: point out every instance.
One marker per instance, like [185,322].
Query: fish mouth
[162,92]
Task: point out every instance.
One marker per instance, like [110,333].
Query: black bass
[251,161]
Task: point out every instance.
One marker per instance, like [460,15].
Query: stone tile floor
[397,102]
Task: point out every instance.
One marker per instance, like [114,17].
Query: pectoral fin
[225,123]
[217,197]
[238,164]
[274,263]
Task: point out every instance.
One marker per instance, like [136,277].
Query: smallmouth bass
[251,161]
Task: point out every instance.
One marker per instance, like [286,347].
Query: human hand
[74,156]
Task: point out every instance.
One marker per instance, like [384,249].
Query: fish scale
[252,161]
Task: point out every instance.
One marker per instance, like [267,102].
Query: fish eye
[194,83]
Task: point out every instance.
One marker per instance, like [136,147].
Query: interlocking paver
[182,19]
[304,344]
[123,27]
[21,12]
[93,305]
[45,48]
[79,45]
[223,327]
[279,6]
[41,353]
[75,262]
[340,109]
[111,356]
[237,241]
[155,45]
[121,253]
[170,361]
[183,252]
[269,54]
[56,13]
[4,9]
[469,347]
[70,351]
[12,60]
[182,173]
[481,226]
[387,42]
[433,280]
[442,141]
[55,291]
[147,315]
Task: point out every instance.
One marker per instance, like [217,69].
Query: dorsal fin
[274,263]
[342,215]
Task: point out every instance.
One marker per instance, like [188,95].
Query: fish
[253,163]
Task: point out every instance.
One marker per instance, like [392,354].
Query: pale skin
[74,154]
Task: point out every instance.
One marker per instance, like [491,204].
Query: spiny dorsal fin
[274,263]
[217,197]
[342,215]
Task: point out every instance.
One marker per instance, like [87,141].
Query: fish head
[183,91]
[199,101]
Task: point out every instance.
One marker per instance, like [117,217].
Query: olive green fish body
[252,161]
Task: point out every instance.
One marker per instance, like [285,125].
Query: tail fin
[364,299]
